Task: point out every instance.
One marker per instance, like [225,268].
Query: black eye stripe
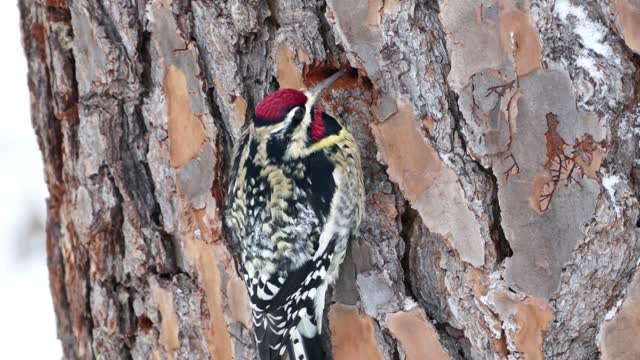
[298,116]
[277,144]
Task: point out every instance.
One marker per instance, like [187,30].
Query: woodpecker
[295,199]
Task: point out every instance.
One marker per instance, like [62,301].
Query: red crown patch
[273,106]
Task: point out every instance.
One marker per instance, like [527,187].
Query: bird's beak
[314,93]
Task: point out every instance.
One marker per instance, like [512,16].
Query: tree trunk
[500,147]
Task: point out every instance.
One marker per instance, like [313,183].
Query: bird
[295,201]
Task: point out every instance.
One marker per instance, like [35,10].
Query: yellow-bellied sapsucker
[295,199]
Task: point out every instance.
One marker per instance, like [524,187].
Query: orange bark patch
[590,162]
[352,334]
[588,154]
[627,16]
[427,122]
[390,6]
[475,277]
[373,13]
[500,346]
[289,76]
[219,87]
[186,133]
[209,223]
[591,170]
[416,334]
[619,336]
[413,163]
[531,317]
[239,302]
[539,187]
[169,326]
[415,166]
[239,111]
[303,57]
[428,72]
[519,35]
[203,256]
[218,338]
[69,114]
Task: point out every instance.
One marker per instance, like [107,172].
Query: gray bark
[500,147]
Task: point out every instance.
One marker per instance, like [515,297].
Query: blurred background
[28,323]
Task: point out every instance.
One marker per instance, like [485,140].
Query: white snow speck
[590,65]
[623,129]
[591,33]
[609,182]
[592,36]
[446,158]
[408,304]
[613,311]
[629,126]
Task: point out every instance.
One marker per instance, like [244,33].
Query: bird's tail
[304,348]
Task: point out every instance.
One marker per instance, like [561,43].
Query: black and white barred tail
[298,347]
[287,313]
[301,347]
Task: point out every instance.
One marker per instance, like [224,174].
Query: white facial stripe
[297,142]
[287,120]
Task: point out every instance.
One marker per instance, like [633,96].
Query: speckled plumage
[295,200]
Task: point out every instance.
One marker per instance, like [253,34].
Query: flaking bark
[490,232]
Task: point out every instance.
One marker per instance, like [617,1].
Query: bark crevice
[132,275]
[502,247]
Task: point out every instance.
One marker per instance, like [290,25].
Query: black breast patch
[276,146]
[318,182]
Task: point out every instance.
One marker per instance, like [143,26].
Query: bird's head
[288,121]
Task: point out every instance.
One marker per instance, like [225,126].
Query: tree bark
[500,147]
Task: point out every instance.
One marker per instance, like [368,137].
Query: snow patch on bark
[627,127]
[590,65]
[592,36]
[591,33]
[609,182]
[613,311]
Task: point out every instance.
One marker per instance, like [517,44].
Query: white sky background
[27,322]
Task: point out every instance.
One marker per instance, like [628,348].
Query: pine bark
[500,147]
